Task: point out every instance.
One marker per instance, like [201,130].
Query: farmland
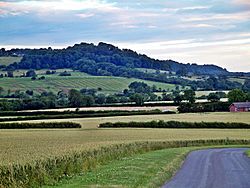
[92,123]
[78,80]
[9,60]
[25,145]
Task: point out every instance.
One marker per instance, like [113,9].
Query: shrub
[176,124]
[43,125]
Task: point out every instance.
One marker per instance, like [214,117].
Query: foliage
[189,95]
[204,107]
[108,60]
[42,125]
[213,97]
[176,124]
[236,95]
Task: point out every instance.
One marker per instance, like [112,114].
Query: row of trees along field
[235,95]
[138,92]
[107,60]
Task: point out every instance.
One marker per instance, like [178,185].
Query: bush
[43,125]
[204,107]
[176,124]
[73,114]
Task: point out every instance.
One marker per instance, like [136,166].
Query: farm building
[240,107]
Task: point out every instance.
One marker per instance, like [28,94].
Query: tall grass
[48,172]
[176,124]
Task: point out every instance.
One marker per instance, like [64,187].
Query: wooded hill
[107,60]
[71,57]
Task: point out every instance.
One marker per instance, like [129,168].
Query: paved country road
[213,168]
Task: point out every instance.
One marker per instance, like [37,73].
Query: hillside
[77,80]
[67,58]
[107,60]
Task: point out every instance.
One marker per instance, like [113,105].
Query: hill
[107,60]
[77,80]
[66,58]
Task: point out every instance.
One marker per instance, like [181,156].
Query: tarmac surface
[213,168]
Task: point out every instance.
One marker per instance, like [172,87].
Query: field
[9,60]
[206,93]
[78,81]
[92,123]
[25,145]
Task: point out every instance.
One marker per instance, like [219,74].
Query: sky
[189,31]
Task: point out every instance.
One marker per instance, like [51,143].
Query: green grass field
[78,81]
[9,60]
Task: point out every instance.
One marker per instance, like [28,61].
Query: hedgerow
[42,125]
[176,124]
[81,114]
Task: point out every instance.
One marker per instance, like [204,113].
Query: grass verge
[50,171]
[150,170]
[248,153]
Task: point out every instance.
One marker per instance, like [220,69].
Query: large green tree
[236,95]
[75,98]
[189,95]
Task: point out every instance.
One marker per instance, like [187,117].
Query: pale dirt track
[213,168]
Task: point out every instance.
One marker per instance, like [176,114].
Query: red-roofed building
[240,107]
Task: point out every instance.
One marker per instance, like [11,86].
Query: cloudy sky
[189,31]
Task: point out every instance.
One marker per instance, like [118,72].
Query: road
[213,168]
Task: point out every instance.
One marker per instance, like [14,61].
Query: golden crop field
[90,123]
[26,145]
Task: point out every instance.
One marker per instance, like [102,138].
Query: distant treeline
[204,107]
[176,124]
[42,125]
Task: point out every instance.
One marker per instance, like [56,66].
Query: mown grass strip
[248,153]
[176,124]
[52,170]
[42,125]
[151,169]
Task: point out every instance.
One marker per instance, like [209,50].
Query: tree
[75,98]
[213,97]
[30,73]
[189,95]
[246,86]
[236,95]
[10,74]
[1,90]
[111,99]
[88,100]
[100,99]
[138,99]
[177,99]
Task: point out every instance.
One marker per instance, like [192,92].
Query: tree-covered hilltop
[107,60]
[81,55]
